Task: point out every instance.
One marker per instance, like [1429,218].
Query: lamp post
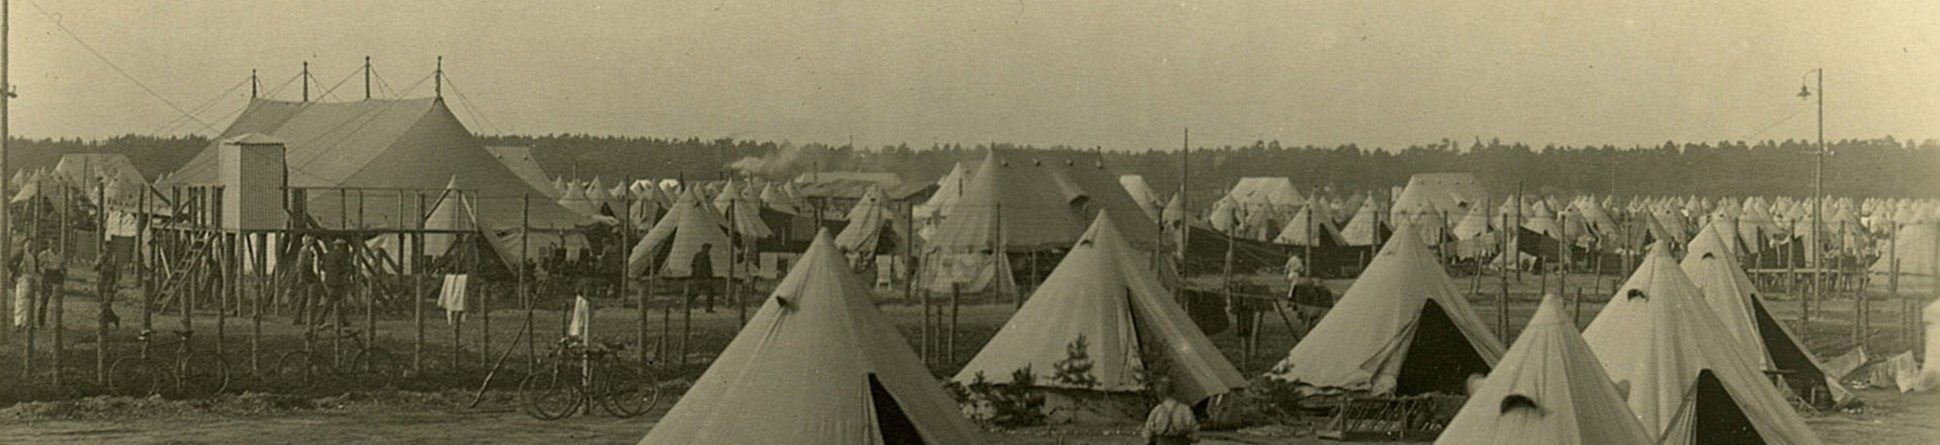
[1816,249]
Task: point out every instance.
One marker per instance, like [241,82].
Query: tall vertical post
[367,97]
[306,81]
[438,79]
[525,295]
[106,292]
[59,289]
[417,287]
[6,217]
[1817,249]
[253,84]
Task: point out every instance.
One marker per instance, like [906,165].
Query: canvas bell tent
[1548,389]
[1730,293]
[1401,329]
[1104,297]
[816,364]
[1688,380]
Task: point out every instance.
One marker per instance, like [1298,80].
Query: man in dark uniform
[336,262]
[703,266]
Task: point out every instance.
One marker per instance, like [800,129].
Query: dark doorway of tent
[890,419]
[1440,358]
[1802,377]
[1718,418]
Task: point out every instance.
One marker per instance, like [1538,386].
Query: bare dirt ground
[1890,418]
[433,410]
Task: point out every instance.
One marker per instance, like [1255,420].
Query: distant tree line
[1883,167]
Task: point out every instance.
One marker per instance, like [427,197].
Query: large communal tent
[378,147]
[1025,202]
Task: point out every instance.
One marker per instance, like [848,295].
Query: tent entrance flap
[1439,358]
[1719,420]
[895,426]
[1802,374]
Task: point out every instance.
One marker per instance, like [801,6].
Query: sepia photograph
[840,222]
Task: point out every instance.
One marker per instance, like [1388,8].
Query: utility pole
[6,225]
[1816,249]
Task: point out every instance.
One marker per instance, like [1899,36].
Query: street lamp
[1818,197]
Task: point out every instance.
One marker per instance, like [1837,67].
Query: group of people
[323,274]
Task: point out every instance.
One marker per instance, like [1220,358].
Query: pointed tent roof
[676,240]
[1100,292]
[867,220]
[377,144]
[1743,313]
[575,199]
[948,189]
[1142,194]
[1362,230]
[1302,230]
[1548,389]
[1917,248]
[1658,338]
[1475,224]
[1012,197]
[1175,210]
[1444,193]
[518,159]
[816,364]
[1366,341]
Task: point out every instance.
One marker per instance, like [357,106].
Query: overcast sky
[1123,74]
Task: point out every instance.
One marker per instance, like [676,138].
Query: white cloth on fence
[582,319]
[452,297]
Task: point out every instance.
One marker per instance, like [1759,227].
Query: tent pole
[417,286]
[106,292]
[525,294]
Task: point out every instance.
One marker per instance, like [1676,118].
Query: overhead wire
[279,87]
[472,108]
[172,123]
[1787,118]
[116,67]
[340,83]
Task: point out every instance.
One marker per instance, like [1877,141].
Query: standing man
[53,275]
[26,272]
[108,272]
[306,274]
[704,272]
[336,262]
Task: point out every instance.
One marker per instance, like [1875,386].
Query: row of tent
[868,387]
[1679,355]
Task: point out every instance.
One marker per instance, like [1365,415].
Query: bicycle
[188,375]
[314,366]
[579,375]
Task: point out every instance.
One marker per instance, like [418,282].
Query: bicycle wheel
[626,391]
[136,376]
[297,371]
[204,376]
[376,363]
[550,395]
